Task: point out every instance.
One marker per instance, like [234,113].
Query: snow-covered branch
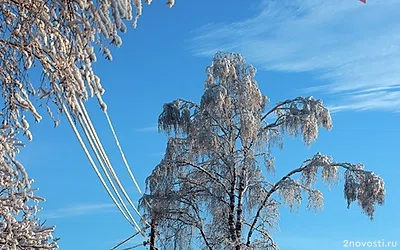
[19,226]
[364,186]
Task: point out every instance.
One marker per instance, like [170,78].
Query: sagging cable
[76,132]
[105,157]
[89,136]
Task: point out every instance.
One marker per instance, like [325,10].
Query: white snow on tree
[19,226]
[212,190]
[60,39]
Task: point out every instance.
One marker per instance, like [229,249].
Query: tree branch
[264,202]
[205,171]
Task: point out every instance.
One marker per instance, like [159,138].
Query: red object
[364,1]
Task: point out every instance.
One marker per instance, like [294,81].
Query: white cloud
[153,128]
[355,47]
[79,210]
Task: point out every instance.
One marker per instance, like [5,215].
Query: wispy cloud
[79,210]
[355,47]
[152,128]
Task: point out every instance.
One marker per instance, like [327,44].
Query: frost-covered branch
[361,185]
[59,38]
[19,226]
[300,116]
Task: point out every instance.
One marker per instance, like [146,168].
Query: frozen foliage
[60,37]
[365,187]
[303,116]
[19,226]
[211,188]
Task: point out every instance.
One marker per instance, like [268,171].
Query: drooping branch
[367,187]
[60,39]
[300,115]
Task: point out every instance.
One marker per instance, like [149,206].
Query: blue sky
[342,51]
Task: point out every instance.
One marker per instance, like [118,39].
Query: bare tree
[211,188]
[19,227]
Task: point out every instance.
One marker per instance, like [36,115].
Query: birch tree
[213,187]
[19,226]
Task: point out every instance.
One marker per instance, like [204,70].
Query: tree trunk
[239,211]
[231,217]
[153,233]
